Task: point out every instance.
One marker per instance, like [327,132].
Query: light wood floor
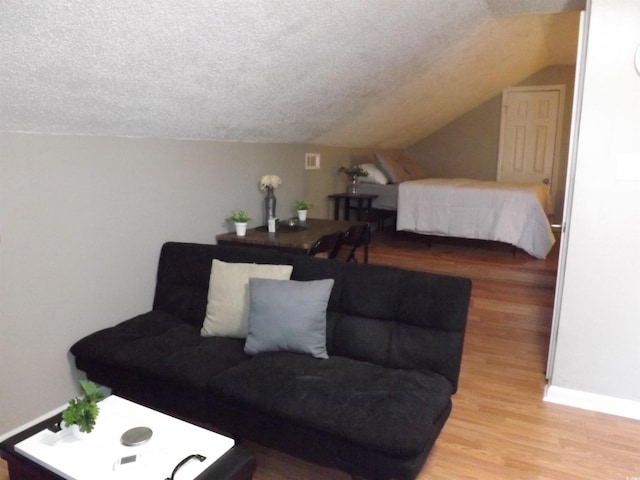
[500,428]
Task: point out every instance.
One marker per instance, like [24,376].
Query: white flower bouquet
[270,181]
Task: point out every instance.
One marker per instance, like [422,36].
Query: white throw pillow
[375,174]
[228,297]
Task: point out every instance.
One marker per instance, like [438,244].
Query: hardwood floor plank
[500,428]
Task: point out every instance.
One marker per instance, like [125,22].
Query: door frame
[557,145]
[568,198]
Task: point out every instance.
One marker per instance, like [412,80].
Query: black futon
[373,409]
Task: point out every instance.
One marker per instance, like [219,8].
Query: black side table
[361,202]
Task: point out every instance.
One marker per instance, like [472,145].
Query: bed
[513,213]
[387,195]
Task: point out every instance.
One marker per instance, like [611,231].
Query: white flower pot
[241,229]
[302,215]
[76,433]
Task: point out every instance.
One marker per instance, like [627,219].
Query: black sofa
[373,409]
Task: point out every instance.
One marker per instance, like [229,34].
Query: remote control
[139,459]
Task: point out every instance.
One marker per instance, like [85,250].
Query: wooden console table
[291,239]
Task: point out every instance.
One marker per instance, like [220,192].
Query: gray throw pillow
[288,315]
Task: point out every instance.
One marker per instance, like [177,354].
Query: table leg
[366,245]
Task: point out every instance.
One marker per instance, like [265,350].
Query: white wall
[82,220]
[599,324]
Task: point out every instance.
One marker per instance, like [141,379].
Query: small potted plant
[354,172]
[302,206]
[81,412]
[240,219]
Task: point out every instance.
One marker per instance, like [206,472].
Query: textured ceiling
[335,72]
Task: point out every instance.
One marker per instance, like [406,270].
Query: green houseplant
[240,218]
[302,206]
[354,172]
[83,411]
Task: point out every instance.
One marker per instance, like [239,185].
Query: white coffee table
[94,457]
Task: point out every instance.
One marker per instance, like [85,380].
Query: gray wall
[468,146]
[320,183]
[599,315]
[82,220]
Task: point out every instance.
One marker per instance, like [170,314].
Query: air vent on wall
[312,161]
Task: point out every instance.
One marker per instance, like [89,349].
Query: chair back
[354,238]
[327,245]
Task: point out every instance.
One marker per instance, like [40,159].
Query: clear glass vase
[352,188]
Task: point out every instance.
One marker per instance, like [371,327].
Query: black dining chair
[327,245]
[352,240]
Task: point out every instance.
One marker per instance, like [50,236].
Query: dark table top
[298,238]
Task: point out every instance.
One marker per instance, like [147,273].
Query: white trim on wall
[569,184]
[592,401]
[33,422]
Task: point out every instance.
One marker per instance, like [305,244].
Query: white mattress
[513,213]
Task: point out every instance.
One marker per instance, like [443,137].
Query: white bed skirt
[513,213]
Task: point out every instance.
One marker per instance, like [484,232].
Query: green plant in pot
[354,172]
[302,206]
[240,218]
[83,411]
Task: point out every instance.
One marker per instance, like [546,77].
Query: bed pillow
[413,168]
[228,298]
[391,168]
[288,315]
[375,174]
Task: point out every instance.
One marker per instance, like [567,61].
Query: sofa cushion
[288,315]
[228,299]
[390,410]
[162,346]
[414,306]
[184,272]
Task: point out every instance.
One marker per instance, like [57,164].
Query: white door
[530,135]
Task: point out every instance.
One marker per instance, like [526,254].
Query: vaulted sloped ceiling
[381,73]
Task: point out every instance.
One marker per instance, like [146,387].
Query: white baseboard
[592,401]
[41,418]
[106,391]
